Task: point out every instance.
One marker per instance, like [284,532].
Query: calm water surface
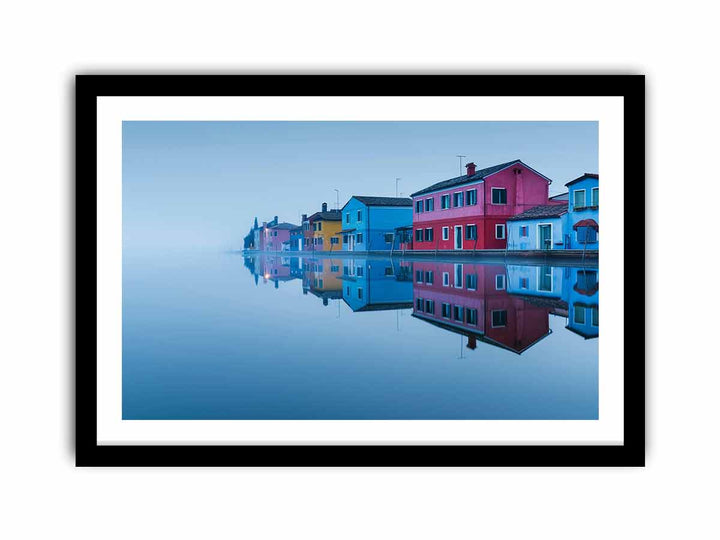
[222,336]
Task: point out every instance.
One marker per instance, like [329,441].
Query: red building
[469,212]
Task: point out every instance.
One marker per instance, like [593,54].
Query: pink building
[275,235]
[470,212]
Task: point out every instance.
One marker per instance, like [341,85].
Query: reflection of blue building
[545,281]
[376,284]
[369,223]
[583,212]
[580,289]
[541,227]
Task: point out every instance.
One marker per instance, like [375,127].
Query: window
[446,310]
[334,268]
[418,207]
[500,282]
[347,217]
[471,197]
[446,233]
[524,283]
[499,195]
[389,238]
[586,234]
[389,271]
[319,226]
[419,303]
[500,231]
[274,233]
[346,271]
[524,231]
[429,277]
[359,238]
[459,276]
[359,271]
[457,199]
[321,283]
[429,205]
[471,232]
[578,199]
[499,318]
[348,291]
[359,216]
[360,293]
[472,316]
[594,197]
[428,235]
[334,240]
[471,281]
[418,235]
[418,276]
[444,202]
[594,316]
[446,279]
[579,315]
[458,313]
[430,306]
[320,241]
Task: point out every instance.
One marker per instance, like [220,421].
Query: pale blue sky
[200,184]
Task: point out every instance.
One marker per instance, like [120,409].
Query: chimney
[324,207]
[470,168]
[275,220]
[304,218]
[264,224]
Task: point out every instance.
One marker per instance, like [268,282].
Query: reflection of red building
[472,300]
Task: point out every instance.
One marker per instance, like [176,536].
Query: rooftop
[330,215]
[383,201]
[583,177]
[479,175]
[542,211]
[283,225]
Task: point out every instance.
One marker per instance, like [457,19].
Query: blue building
[541,227]
[370,223]
[583,208]
[296,239]
[376,284]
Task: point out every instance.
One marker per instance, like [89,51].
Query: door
[545,236]
[458,237]
[351,242]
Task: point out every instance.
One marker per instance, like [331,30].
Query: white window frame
[449,315]
[432,233]
[428,204]
[455,274]
[584,192]
[503,282]
[462,199]
[469,191]
[462,240]
[537,235]
[503,231]
[446,233]
[449,200]
[552,279]
[469,288]
[467,228]
[492,191]
[446,279]
[595,190]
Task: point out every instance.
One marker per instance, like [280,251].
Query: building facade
[277,235]
[296,239]
[371,223]
[542,227]
[323,230]
[470,212]
[583,212]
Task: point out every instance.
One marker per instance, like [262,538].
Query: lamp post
[337,199]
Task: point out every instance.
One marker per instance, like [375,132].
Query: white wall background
[43,44]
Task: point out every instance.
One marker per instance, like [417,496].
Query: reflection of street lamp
[337,199]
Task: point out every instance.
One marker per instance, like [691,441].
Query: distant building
[470,212]
[296,238]
[371,223]
[583,211]
[541,227]
[277,235]
[323,230]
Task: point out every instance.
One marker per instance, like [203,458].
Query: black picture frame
[88,453]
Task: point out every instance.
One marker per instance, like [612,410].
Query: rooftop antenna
[396,186]
[337,198]
[461,163]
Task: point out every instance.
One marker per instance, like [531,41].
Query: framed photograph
[360,270]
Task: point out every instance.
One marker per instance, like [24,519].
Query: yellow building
[324,230]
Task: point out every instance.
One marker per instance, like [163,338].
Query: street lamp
[337,199]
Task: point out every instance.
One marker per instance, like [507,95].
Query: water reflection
[502,305]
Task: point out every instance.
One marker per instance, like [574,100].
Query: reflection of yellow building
[325,227]
[324,279]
